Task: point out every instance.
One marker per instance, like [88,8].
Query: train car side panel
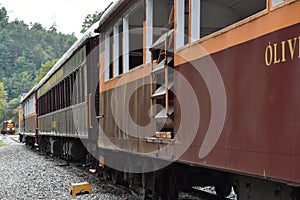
[262,122]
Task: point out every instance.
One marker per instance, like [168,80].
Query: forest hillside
[24,48]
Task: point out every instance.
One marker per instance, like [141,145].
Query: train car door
[92,97]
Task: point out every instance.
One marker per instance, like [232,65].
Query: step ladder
[80,187]
[162,79]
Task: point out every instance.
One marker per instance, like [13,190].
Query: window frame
[280,4]
[193,41]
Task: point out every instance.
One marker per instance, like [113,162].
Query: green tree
[23,49]
[3,15]
[91,19]
[11,110]
[3,96]
[44,69]
[5,58]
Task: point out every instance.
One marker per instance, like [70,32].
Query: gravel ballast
[25,174]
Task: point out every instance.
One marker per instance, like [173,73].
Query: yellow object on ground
[78,187]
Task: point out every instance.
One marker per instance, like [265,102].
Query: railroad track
[195,194]
[82,167]
[14,138]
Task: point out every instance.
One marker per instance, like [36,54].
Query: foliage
[3,96]
[3,15]
[23,50]
[44,69]
[91,19]
[10,111]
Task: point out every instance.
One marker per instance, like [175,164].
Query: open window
[161,15]
[161,21]
[124,43]
[218,14]
[120,38]
[109,47]
[209,16]
[183,13]
[136,21]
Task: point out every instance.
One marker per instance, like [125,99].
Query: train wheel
[105,175]
[115,176]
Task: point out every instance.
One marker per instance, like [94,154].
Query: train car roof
[113,9]
[28,94]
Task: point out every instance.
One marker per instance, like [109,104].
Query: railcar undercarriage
[165,183]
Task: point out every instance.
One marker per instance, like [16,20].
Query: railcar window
[59,96]
[158,16]
[82,55]
[63,93]
[276,2]
[85,82]
[116,50]
[54,99]
[182,23]
[73,89]
[68,91]
[48,102]
[29,106]
[124,44]
[120,37]
[74,95]
[108,73]
[161,12]
[82,87]
[136,20]
[209,16]
[75,56]
[111,51]
[186,21]
[78,86]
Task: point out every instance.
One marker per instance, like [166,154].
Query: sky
[68,15]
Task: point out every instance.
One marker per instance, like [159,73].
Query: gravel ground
[7,139]
[25,174]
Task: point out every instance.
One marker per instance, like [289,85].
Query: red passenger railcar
[216,95]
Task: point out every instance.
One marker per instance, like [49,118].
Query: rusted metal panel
[29,124]
[121,126]
[260,131]
[92,80]
[262,123]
